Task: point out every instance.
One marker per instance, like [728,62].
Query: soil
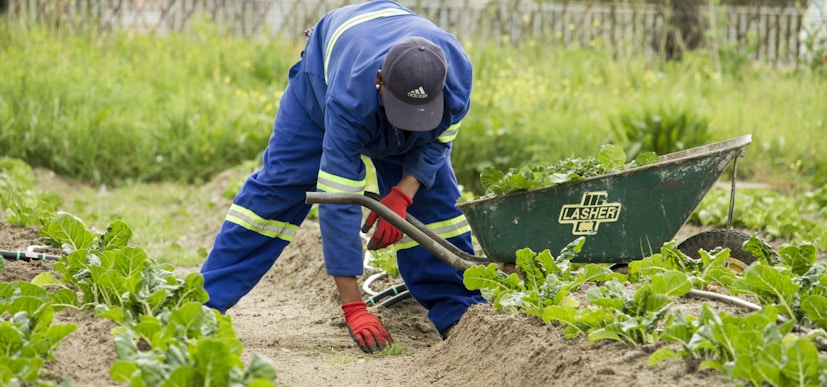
[293,318]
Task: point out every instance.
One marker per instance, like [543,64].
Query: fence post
[628,26]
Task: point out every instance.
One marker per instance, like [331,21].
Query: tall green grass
[136,107]
[541,103]
[131,107]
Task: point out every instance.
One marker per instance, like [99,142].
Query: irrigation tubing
[391,291]
[18,255]
[396,293]
[399,297]
[366,285]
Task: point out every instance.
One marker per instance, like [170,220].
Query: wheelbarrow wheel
[738,260]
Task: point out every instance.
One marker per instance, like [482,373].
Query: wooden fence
[766,34]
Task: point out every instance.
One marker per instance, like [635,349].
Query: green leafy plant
[662,128]
[124,281]
[191,345]
[711,267]
[545,281]
[167,336]
[790,280]
[27,334]
[752,348]
[631,320]
[385,259]
[800,217]
[610,158]
[21,203]
[612,314]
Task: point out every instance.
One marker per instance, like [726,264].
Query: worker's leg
[433,283]
[268,209]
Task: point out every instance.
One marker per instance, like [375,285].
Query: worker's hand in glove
[365,328]
[386,234]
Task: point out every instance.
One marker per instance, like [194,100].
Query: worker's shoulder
[352,10]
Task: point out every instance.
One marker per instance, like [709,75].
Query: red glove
[365,329]
[386,234]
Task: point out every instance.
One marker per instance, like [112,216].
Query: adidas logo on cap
[419,92]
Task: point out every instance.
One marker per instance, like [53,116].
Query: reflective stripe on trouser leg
[267,210]
[435,284]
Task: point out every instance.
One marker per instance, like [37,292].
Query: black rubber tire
[709,240]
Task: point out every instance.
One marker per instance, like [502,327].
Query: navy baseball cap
[414,74]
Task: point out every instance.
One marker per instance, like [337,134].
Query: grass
[133,107]
[394,349]
[174,222]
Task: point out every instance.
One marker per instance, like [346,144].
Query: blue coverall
[329,116]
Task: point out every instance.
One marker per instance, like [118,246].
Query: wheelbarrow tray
[624,216]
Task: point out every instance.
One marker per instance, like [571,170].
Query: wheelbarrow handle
[428,232]
[412,227]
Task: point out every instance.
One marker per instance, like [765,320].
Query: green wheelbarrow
[623,216]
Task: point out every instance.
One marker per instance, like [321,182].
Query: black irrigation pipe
[399,297]
[391,291]
[19,255]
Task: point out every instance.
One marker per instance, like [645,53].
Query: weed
[395,349]
[663,128]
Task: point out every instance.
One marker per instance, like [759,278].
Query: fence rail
[765,34]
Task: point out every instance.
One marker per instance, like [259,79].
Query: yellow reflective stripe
[331,183]
[267,227]
[449,134]
[352,22]
[445,229]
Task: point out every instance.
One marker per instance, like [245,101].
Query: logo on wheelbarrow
[586,217]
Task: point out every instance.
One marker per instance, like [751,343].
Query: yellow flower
[649,77]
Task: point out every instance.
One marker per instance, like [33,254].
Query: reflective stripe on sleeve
[449,134]
[250,220]
[445,229]
[359,19]
[336,184]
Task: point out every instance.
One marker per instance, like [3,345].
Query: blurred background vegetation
[140,109]
[114,106]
